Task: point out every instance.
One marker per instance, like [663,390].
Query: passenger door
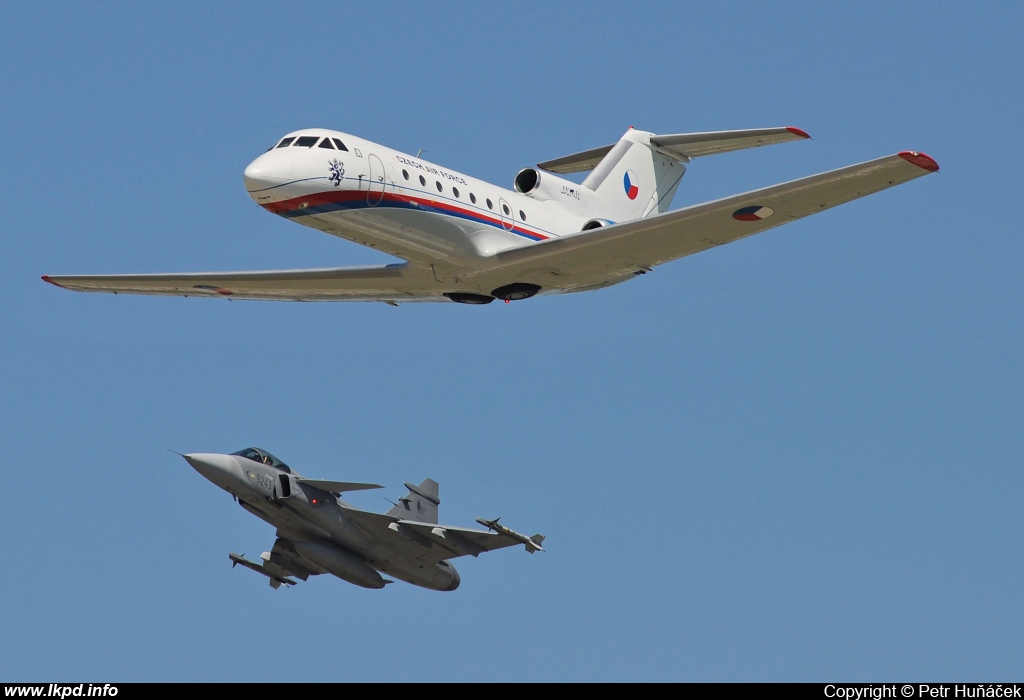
[376,191]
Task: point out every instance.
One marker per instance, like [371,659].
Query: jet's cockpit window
[339,144]
[264,457]
[307,141]
[286,142]
[326,143]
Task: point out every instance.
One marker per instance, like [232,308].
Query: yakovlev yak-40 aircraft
[318,533]
[465,240]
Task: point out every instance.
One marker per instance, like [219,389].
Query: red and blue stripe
[330,201]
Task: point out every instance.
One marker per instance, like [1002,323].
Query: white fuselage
[406,206]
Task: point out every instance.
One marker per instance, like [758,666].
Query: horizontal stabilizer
[337,487]
[683,146]
[712,142]
[577,162]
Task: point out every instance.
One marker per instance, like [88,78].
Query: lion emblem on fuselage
[337,171]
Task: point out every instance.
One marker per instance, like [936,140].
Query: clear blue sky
[797,457]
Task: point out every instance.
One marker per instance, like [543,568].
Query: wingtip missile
[532,543]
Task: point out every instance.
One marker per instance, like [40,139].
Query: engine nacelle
[595,223]
[546,187]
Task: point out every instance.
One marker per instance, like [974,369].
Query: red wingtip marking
[920,160]
[798,132]
[46,278]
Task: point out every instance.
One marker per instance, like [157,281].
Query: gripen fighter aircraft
[468,241]
[318,533]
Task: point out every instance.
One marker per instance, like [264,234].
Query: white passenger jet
[464,240]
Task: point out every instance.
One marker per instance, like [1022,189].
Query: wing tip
[921,160]
[798,132]
[47,278]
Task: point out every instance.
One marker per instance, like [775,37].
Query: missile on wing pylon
[532,543]
[275,580]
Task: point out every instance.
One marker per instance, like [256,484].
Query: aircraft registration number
[264,481]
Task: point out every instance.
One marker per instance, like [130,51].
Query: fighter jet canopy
[264,457]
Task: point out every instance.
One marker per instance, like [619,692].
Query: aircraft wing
[601,257]
[400,282]
[431,542]
[462,541]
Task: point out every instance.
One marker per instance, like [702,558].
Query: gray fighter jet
[318,533]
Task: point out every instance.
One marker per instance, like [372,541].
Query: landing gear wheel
[469,298]
[516,291]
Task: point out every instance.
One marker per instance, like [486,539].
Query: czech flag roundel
[754,213]
[629,182]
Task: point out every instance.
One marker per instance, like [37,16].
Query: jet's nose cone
[218,468]
[270,170]
[254,177]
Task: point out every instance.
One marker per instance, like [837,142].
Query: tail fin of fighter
[420,504]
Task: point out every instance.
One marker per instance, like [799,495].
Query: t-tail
[420,504]
[639,175]
[634,180]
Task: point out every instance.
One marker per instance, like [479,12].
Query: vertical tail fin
[634,180]
[420,504]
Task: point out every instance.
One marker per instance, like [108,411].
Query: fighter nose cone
[217,468]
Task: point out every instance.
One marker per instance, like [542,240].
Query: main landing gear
[509,292]
[469,298]
[516,291]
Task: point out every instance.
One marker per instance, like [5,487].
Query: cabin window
[423,181]
[286,142]
[307,141]
[504,208]
[439,187]
[455,191]
[522,215]
[405,174]
[339,144]
[326,143]
[489,205]
[472,198]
